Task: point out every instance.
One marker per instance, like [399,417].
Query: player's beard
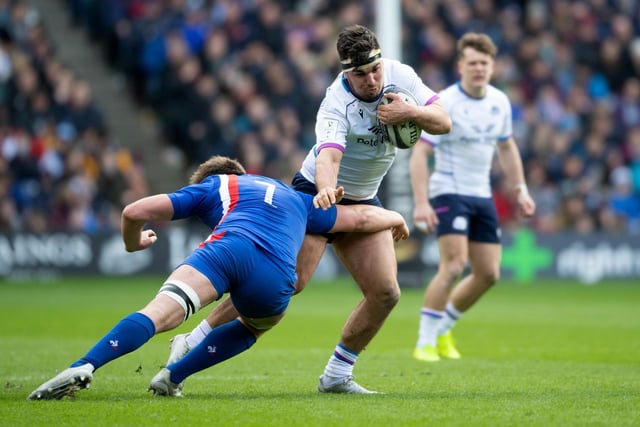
[370,93]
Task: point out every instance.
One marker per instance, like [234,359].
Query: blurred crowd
[59,169]
[245,78]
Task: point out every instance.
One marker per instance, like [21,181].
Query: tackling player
[258,227]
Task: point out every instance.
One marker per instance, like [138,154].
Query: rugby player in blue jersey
[258,225]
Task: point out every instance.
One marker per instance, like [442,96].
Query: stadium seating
[245,79]
[59,167]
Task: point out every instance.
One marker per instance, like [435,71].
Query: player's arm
[370,219]
[511,162]
[135,215]
[424,217]
[432,118]
[327,166]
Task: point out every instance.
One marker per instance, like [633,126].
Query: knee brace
[183,294]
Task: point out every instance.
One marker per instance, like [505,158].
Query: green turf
[558,354]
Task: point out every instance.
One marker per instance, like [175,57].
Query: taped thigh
[183,294]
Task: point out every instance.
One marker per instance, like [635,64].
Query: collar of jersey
[459,84]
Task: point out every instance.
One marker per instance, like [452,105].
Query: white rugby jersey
[350,125]
[463,157]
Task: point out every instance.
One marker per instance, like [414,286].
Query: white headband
[374,57]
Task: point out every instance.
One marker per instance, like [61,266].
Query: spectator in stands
[627,107]
[54,146]
[632,148]
[81,112]
[623,202]
[8,209]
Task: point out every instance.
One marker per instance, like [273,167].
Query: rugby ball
[402,135]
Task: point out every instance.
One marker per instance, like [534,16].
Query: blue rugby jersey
[265,210]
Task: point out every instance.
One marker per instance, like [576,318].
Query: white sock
[199,332]
[451,316]
[340,363]
[428,330]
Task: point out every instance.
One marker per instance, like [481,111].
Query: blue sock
[128,335]
[222,343]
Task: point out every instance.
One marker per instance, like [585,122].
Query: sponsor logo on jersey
[368,141]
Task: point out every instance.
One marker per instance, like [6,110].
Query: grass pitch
[550,354]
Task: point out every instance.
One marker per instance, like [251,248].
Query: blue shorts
[475,217]
[258,287]
[303,185]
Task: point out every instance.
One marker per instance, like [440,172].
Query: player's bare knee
[392,297]
[490,278]
[453,269]
[386,297]
[301,283]
[183,294]
[495,277]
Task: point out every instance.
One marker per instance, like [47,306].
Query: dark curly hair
[356,42]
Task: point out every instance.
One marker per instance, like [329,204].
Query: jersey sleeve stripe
[433,99]
[330,145]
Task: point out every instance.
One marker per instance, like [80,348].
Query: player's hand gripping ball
[402,135]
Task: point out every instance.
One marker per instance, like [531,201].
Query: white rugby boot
[66,383]
[342,385]
[178,348]
[161,385]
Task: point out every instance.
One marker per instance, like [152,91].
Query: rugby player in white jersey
[350,153]
[456,202]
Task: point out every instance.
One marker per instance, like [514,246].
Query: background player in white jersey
[456,200]
[258,226]
[350,153]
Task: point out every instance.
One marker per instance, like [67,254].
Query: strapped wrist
[521,189]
